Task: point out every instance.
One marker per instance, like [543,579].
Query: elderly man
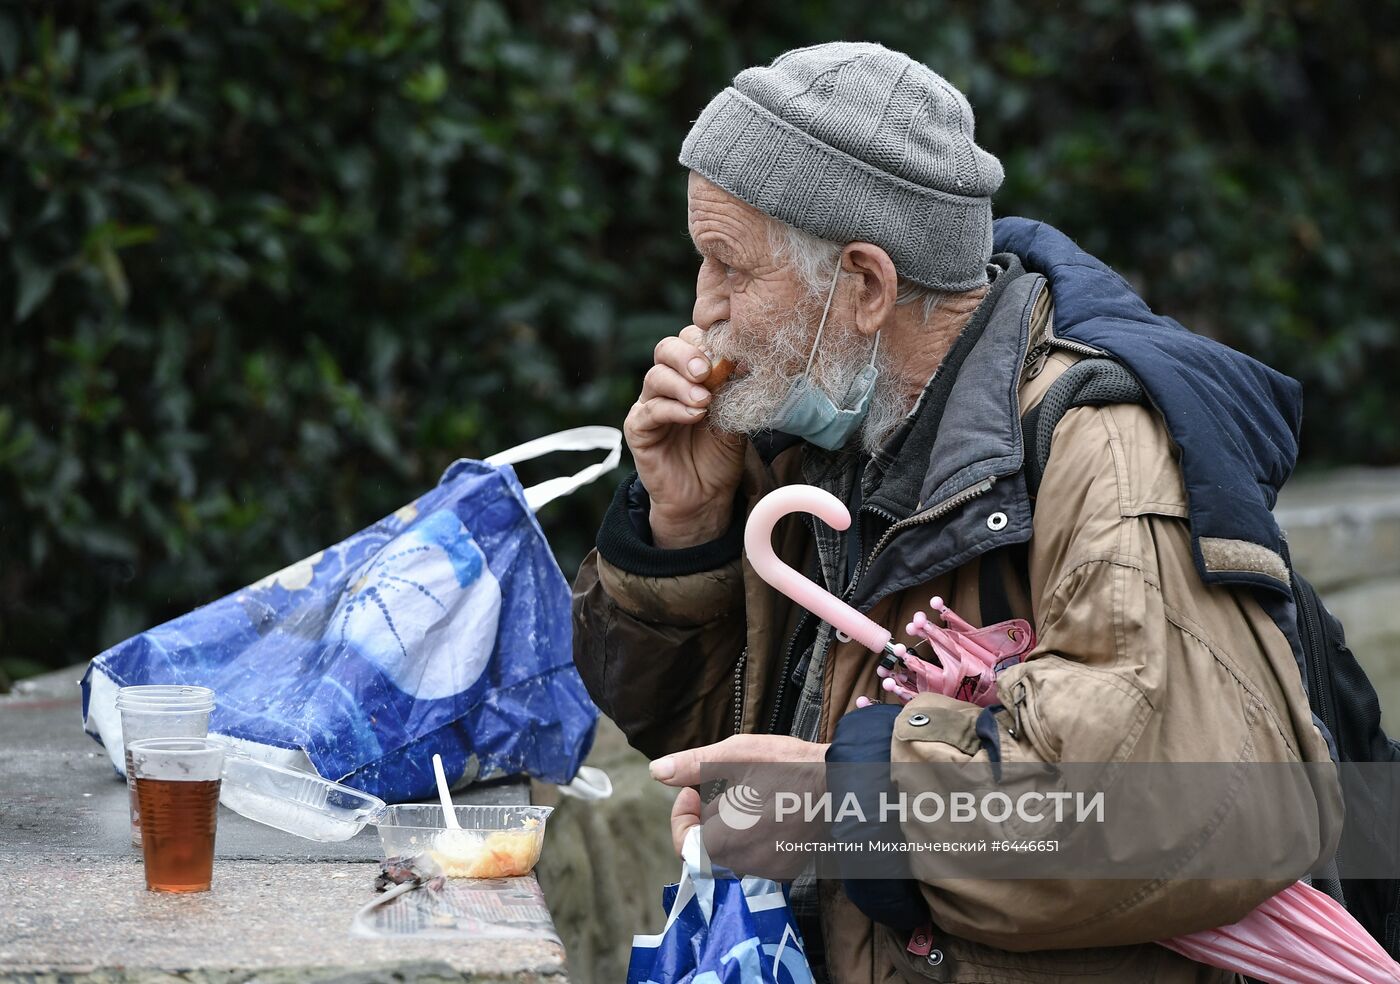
[842,213]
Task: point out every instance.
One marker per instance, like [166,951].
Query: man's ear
[874,305]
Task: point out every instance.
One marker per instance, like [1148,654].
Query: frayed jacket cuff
[624,539]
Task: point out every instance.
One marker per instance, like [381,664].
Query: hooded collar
[1234,419]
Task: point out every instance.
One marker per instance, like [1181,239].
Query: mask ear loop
[831,292]
[821,327]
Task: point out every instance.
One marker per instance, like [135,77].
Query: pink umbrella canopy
[966,659]
[1300,936]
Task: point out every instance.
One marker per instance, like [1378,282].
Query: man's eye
[729,272]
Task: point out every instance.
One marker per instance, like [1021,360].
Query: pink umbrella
[966,658]
[758,544]
[1300,936]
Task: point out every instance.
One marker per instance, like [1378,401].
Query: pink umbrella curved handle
[758,543]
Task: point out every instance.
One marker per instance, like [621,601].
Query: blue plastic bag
[720,930]
[443,628]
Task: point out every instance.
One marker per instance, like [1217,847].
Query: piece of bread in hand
[720,371]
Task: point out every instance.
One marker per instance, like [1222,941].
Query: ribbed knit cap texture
[852,141]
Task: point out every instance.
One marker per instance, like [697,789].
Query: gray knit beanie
[852,141]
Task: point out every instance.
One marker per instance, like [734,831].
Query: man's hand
[688,768]
[690,471]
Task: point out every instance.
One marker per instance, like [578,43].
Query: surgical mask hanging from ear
[810,414]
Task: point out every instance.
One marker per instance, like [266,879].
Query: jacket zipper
[1018,701]
[954,501]
[739,690]
[1070,345]
[1049,340]
[1035,352]
[1311,626]
[787,672]
[927,516]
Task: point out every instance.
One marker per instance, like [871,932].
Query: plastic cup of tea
[159,711]
[177,785]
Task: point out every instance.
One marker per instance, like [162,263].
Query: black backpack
[1340,694]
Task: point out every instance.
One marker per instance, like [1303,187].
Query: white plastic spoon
[452,846]
[448,812]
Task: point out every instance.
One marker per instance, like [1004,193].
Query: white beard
[774,350]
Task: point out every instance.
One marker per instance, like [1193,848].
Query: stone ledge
[280,909]
[401,973]
[96,922]
[1343,527]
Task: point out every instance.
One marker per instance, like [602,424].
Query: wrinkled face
[756,311]
[739,277]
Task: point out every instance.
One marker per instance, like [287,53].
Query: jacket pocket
[1070,712]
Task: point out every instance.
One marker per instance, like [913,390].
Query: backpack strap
[1093,382]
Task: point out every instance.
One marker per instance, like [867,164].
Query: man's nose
[711,306]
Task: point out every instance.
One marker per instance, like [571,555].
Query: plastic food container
[494,842]
[300,803]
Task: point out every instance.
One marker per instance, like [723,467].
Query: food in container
[494,842]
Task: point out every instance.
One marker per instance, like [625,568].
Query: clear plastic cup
[177,783]
[159,711]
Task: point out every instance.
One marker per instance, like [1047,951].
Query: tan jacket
[1136,661]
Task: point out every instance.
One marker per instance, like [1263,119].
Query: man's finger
[646,423]
[686,359]
[685,768]
[685,813]
[662,380]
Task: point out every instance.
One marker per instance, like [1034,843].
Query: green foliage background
[270,266]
